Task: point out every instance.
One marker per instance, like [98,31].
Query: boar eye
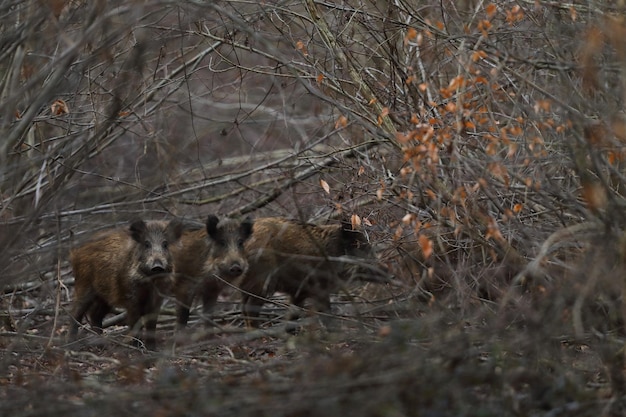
[165,244]
[147,244]
[240,243]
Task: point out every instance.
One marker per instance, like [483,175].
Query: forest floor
[393,358]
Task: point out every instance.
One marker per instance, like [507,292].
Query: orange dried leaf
[484,26]
[478,55]
[515,14]
[594,195]
[356,221]
[503,135]
[491,149]
[405,171]
[619,130]
[410,35]
[450,107]
[491,10]
[342,121]
[493,231]
[384,331]
[515,130]
[379,194]
[59,107]
[426,245]
[512,150]
[361,171]
[300,46]
[320,78]
[325,186]
[499,171]
[398,233]
[402,138]
[542,105]
[456,82]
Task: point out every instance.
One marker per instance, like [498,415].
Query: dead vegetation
[478,146]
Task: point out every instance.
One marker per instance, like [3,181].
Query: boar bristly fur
[126,267]
[205,260]
[294,258]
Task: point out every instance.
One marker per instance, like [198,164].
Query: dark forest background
[480,146]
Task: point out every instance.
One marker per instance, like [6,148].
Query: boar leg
[182,316]
[133,320]
[321,303]
[183,304]
[150,322]
[184,299]
[295,313]
[82,304]
[251,308]
[209,299]
[98,310]
[256,287]
[320,298]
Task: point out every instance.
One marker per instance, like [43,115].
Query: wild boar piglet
[206,260]
[305,261]
[126,267]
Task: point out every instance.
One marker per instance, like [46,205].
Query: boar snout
[235,270]
[232,269]
[158,267]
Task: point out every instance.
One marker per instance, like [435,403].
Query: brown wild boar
[300,260]
[126,267]
[205,260]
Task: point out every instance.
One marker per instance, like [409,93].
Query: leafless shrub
[480,144]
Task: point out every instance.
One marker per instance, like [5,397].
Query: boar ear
[348,234]
[138,230]
[346,227]
[211,225]
[174,230]
[246,227]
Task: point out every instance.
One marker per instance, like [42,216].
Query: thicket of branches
[479,145]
